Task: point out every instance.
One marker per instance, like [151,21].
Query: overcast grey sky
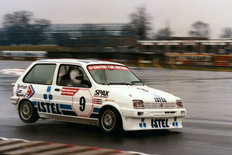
[180,13]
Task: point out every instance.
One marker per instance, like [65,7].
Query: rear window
[40,74]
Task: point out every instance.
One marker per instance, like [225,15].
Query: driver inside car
[76,77]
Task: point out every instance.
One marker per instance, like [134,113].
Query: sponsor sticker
[142,89]
[107,67]
[159,99]
[101,93]
[142,124]
[69,91]
[21,90]
[164,123]
[159,123]
[30,91]
[48,107]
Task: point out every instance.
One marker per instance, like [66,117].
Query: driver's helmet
[76,76]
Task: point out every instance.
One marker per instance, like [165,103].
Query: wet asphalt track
[207,127]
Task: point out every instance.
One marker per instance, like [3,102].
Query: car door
[38,82]
[75,100]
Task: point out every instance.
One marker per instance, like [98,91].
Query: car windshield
[113,75]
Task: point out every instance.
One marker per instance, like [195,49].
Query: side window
[41,74]
[72,76]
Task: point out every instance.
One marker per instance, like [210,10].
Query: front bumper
[14,100]
[150,113]
[145,119]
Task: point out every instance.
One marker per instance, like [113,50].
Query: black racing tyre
[110,121]
[27,112]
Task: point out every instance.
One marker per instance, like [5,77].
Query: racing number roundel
[82,103]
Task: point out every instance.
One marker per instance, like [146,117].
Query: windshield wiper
[124,83]
[119,83]
[136,82]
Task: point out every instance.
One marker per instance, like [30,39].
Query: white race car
[94,92]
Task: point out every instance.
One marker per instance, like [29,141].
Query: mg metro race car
[94,92]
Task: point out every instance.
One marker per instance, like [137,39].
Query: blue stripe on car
[65,106]
[96,110]
[94,115]
[34,103]
[70,113]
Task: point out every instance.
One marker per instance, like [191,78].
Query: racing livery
[94,92]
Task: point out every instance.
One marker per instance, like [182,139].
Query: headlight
[179,103]
[138,104]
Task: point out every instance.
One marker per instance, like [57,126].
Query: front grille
[159,105]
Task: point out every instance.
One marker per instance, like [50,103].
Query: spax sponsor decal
[101,93]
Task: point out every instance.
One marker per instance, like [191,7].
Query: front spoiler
[152,119]
[130,124]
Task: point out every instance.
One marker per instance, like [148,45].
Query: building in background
[91,37]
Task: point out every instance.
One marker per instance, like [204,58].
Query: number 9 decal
[82,103]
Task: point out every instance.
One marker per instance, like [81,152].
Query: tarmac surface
[207,126]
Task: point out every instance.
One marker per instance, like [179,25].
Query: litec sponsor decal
[48,107]
[159,123]
[159,99]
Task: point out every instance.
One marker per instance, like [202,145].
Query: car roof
[83,62]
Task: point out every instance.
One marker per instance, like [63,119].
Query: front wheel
[110,121]
[27,112]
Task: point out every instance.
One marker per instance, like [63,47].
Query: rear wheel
[110,121]
[27,112]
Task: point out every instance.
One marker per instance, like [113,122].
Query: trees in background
[163,34]
[199,29]
[62,39]
[21,28]
[227,33]
[93,30]
[140,24]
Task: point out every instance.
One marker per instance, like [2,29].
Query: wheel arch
[110,105]
[27,117]
[114,106]
[21,101]
[116,110]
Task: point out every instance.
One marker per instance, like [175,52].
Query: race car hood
[144,93]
